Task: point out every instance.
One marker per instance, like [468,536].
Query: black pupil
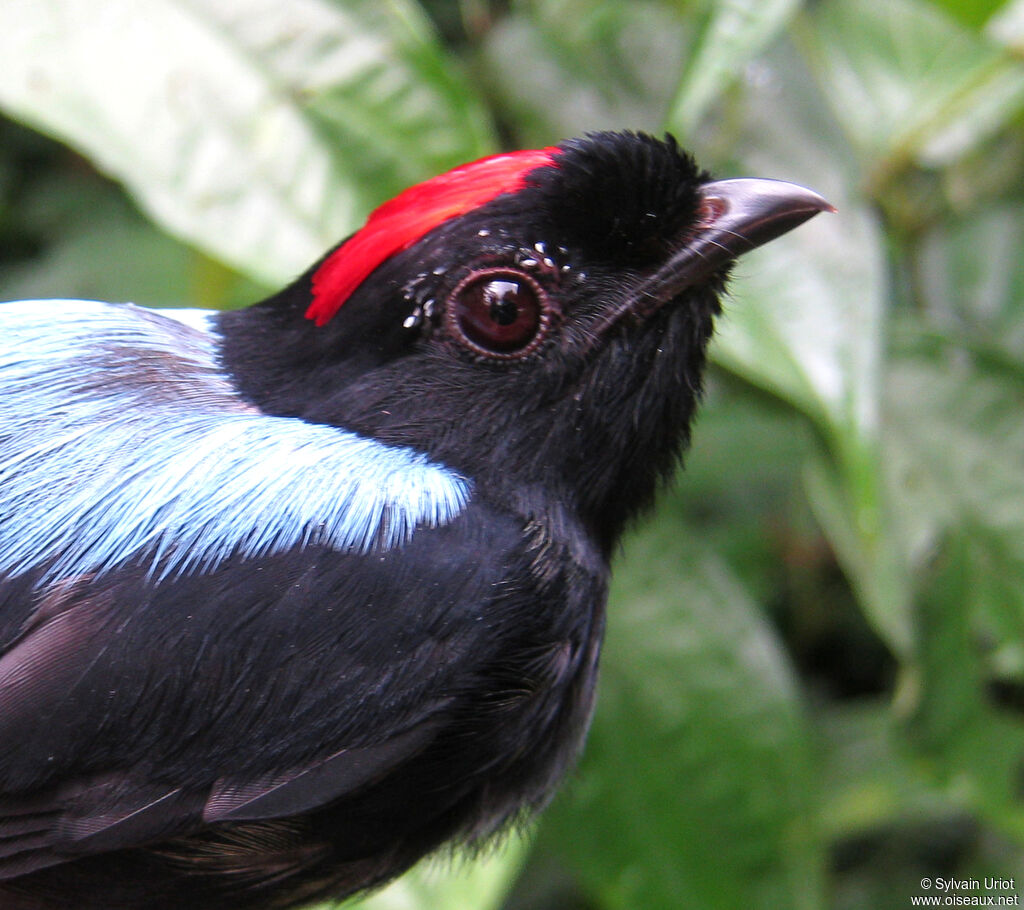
[502,296]
[498,313]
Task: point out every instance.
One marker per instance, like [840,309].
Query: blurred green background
[813,688]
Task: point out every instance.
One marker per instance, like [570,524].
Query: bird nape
[294,595]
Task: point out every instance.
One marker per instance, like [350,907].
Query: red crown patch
[400,222]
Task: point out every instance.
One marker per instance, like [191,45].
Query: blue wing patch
[120,438]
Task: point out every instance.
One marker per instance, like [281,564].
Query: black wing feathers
[277,724]
[94,691]
[317,784]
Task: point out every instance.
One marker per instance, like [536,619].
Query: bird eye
[498,312]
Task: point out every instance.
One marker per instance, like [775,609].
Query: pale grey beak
[735,216]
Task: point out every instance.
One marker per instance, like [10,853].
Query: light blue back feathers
[121,438]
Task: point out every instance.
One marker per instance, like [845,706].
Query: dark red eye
[498,312]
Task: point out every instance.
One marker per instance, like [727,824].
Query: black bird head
[535,320]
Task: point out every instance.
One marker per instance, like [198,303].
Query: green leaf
[97,246]
[591,66]
[955,462]
[1007,26]
[908,83]
[869,777]
[472,884]
[733,34]
[248,128]
[697,787]
[973,752]
[805,321]
[971,278]
[970,12]
[892,818]
[804,316]
[955,466]
[806,324]
[850,501]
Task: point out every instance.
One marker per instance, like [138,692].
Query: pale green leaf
[955,462]
[591,66]
[734,33]
[971,276]
[991,103]
[101,248]
[1007,26]
[908,83]
[805,320]
[249,128]
[804,316]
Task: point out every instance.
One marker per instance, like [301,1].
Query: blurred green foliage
[813,689]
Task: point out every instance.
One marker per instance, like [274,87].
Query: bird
[294,595]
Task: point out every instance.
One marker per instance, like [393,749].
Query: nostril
[711,209]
